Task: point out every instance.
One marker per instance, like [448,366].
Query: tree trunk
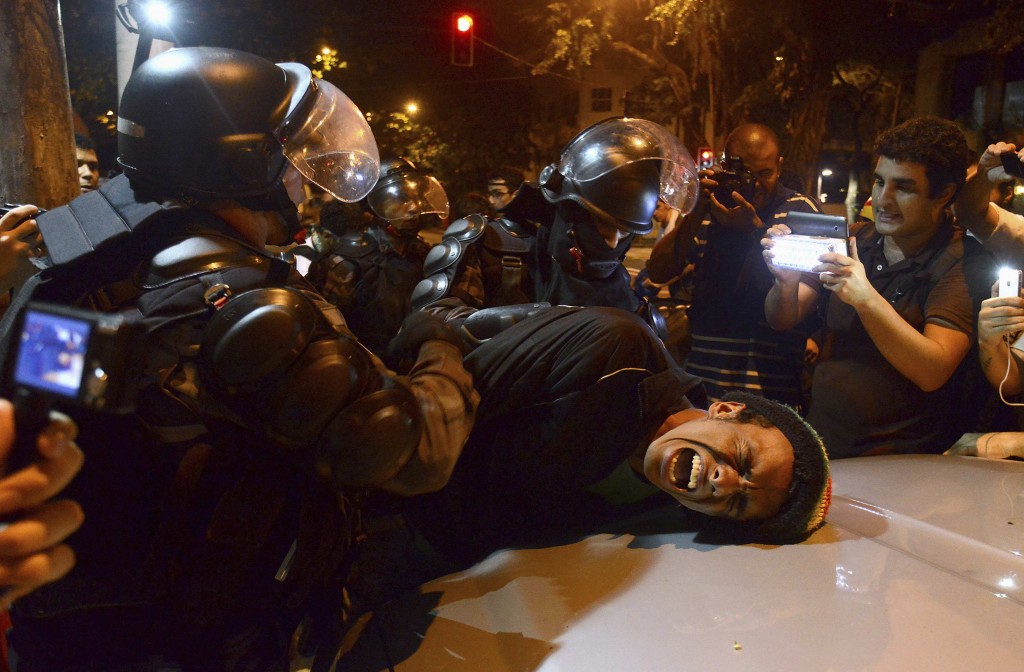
[37,144]
[806,124]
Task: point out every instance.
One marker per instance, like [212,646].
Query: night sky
[397,50]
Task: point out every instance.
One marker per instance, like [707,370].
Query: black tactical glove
[418,328]
[489,322]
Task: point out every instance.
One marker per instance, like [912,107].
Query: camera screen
[51,355]
[801,252]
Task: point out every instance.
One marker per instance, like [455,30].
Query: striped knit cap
[810,491]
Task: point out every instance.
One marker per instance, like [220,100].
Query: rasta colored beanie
[810,491]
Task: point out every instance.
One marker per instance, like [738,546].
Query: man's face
[498,194]
[718,467]
[88,169]
[766,164]
[902,207]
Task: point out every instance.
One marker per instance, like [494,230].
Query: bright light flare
[158,12]
[412,108]
[464,23]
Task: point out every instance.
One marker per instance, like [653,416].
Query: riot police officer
[222,512]
[369,272]
[563,241]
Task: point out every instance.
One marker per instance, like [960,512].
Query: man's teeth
[694,472]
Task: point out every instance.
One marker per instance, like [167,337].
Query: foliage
[709,65]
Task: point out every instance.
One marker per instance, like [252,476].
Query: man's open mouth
[684,470]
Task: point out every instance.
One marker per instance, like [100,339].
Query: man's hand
[418,327]
[991,166]
[742,217]
[19,242]
[33,526]
[992,446]
[845,276]
[785,276]
[1000,317]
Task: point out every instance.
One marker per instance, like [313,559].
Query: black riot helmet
[206,123]
[404,193]
[618,169]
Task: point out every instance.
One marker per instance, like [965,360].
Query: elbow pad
[271,358]
[443,260]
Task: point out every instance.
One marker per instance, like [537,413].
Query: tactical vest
[214,531]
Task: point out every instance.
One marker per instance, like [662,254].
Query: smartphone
[1011,164]
[1009,282]
[813,234]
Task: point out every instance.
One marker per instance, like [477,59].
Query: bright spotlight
[158,13]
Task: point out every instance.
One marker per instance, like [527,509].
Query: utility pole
[37,142]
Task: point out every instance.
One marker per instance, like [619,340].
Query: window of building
[601,100]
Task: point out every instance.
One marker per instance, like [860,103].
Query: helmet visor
[408,196]
[334,147]
[614,143]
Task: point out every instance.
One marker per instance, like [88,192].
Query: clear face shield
[327,139]
[618,142]
[408,195]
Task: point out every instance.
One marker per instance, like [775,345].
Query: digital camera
[7,207]
[733,177]
[77,357]
[813,235]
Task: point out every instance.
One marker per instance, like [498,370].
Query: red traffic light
[705,157]
[462,39]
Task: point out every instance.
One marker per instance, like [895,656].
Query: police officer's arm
[926,359]
[669,255]
[447,400]
[452,275]
[338,281]
[33,527]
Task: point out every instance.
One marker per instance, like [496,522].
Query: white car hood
[918,568]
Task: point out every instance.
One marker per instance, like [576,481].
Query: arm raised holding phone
[1000,230]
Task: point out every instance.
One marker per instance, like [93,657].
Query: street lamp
[412,107]
[153,19]
[826,172]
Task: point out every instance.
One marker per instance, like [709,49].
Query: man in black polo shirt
[900,310]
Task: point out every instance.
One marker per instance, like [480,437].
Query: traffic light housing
[705,158]
[462,39]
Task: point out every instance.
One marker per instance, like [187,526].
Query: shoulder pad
[467,229]
[355,244]
[198,255]
[515,228]
[505,239]
[428,290]
[442,256]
